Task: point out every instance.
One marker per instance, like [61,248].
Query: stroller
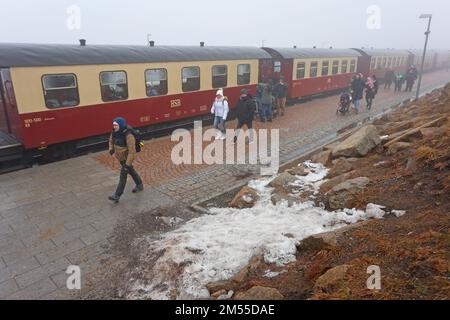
[345,102]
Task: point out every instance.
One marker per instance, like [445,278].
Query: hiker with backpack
[124,142]
[220,111]
[245,110]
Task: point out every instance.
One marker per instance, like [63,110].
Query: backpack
[137,137]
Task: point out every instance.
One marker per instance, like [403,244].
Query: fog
[281,23]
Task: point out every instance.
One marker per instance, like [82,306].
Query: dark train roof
[27,55]
[306,53]
[383,52]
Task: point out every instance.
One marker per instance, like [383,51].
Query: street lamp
[427,33]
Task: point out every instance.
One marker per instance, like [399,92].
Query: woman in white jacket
[220,111]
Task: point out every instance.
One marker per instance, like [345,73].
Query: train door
[4,121]
[265,70]
[10,105]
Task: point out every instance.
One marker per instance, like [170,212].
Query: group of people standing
[357,87]
[268,94]
[399,78]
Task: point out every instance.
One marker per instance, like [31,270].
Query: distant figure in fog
[411,77]
[122,144]
[389,78]
[399,80]
[376,85]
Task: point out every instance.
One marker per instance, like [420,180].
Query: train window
[219,76]
[335,67]
[300,70]
[344,66]
[352,66]
[156,82]
[60,90]
[313,70]
[191,79]
[114,85]
[325,67]
[277,67]
[243,74]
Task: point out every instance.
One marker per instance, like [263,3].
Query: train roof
[28,55]
[383,52]
[307,53]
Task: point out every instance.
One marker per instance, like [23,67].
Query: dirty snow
[216,246]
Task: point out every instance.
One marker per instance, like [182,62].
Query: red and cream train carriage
[61,93]
[313,71]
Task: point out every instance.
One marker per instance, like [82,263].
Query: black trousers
[123,178]
[409,86]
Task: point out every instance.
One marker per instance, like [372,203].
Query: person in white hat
[220,111]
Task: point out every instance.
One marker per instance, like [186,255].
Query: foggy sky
[281,23]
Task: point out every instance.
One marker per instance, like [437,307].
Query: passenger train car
[59,98]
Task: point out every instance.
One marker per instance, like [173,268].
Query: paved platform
[57,215]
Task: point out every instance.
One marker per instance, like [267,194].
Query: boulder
[323,157]
[358,144]
[260,293]
[313,243]
[398,126]
[398,146]
[282,180]
[280,196]
[331,279]
[329,184]
[299,170]
[218,286]
[246,198]
[340,166]
[340,196]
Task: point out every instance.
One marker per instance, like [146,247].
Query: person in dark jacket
[411,77]
[122,144]
[389,78]
[357,90]
[266,100]
[280,93]
[245,111]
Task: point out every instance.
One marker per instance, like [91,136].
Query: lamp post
[427,33]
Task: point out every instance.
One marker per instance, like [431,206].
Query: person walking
[245,111]
[370,92]
[280,93]
[399,79]
[122,144]
[389,78]
[220,111]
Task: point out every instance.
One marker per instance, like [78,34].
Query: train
[56,99]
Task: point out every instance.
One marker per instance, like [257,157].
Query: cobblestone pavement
[57,215]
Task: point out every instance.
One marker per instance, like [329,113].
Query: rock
[246,198]
[358,144]
[331,146]
[299,170]
[323,157]
[331,279]
[218,286]
[398,146]
[219,293]
[280,196]
[252,265]
[329,184]
[432,132]
[340,196]
[411,164]
[340,166]
[282,180]
[313,243]
[260,293]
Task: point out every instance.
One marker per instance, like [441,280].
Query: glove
[111,152]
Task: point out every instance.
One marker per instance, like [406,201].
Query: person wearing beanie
[220,111]
[245,111]
[122,144]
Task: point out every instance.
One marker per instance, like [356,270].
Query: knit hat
[121,122]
